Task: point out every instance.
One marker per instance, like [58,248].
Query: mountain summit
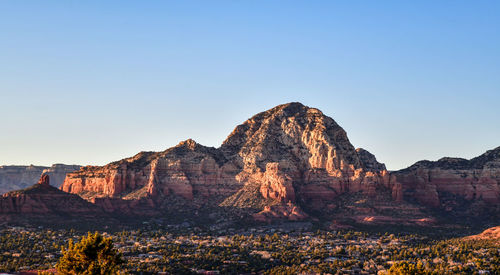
[291,155]
[290,162]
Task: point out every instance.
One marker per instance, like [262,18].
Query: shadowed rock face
[44,199]
[369,161]
[44,180]
[19,177]
[429,182]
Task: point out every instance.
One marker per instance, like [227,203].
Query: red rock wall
[426,184]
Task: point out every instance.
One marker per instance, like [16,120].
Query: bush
[92,255]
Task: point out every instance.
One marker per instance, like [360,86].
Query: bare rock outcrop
[276,184]
[295,154]
[15,177]
[369,160]
[291,162]
[492,234]
[184,170]
[300,155]
[430,182]
[44,180]
[44,199]
[286,211]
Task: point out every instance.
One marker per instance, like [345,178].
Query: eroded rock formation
[286,211]
[44,180]
[44,199]
[184,170]
[432,182]
[18,177]
[291,162]
[295,154]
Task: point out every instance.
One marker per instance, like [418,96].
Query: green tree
[92,255]
[406,268]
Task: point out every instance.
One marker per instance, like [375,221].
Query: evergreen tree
[92,255]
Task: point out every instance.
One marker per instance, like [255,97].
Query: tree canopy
[92,255]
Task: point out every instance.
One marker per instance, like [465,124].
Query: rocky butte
[291,162]
[455,184]
[41,200]
[282,159]
[14,177]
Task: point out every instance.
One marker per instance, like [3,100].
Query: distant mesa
[14,177]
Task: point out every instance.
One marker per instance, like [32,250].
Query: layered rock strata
[291,162]
[18,177]
[295,154]
[43,199]
[183,170]
[429,182]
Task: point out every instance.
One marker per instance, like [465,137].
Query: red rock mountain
[440,183]
[290,162]
[43,199]
[288,155]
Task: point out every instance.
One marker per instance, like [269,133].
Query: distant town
[186,249]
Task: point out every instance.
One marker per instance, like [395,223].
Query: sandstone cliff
[186,170]
[298,155]
[442,183]
[291,154]
[18,177]
[289,162]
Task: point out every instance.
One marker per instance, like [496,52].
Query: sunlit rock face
[279,163]
[492,234]
[429,182]
[298,154]
[185,170]
[293,152]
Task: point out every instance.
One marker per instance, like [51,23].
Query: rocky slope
[492,233]
[280,160]
[186,170]
[291,162]
[18,177]
[44,200]
[451,183]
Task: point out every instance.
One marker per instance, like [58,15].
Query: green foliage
[92,255]
[180,251]
[406,268]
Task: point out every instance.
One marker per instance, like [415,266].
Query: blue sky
[89,82]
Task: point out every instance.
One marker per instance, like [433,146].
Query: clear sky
[89,82]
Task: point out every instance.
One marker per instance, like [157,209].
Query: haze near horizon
[92,82]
